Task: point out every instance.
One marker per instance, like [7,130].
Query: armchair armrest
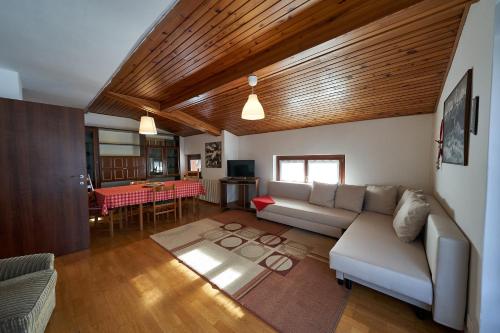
[17,266]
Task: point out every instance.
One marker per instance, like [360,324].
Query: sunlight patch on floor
[183,269]
[149,293]
[226,277]
[199,261]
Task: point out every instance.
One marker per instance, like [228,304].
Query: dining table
[111,198]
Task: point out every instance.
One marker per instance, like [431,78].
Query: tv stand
[244,194]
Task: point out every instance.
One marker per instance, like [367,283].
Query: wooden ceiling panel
[318,62]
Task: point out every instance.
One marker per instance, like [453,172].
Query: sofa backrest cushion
[381,199]
[323,194]
[350,197]
[411,218]
[447,251]
[298,191]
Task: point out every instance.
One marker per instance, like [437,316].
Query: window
[309,168]
[194,162]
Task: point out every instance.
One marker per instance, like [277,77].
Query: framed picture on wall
[213,154]
[456,122]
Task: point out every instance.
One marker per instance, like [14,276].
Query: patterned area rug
[278,272]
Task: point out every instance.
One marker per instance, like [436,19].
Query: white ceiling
[66,50]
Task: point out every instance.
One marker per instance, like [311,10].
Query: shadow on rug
[278,272]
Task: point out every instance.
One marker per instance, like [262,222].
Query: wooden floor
[130,284]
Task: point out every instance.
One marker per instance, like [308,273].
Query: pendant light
[147,125]
[253,109]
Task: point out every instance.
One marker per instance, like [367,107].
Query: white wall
[230,152]
[10,84]
[462,189]
[383,151]
[196,145]
[65,51]
[490,288]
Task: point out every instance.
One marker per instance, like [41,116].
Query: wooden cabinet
[128,156]
[162,157]
[120,168]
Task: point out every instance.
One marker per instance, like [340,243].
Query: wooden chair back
[192,175]
[159,207]
[164,188]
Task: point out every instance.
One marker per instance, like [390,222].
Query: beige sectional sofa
[430,272]
[292,207]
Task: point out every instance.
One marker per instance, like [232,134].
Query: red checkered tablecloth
[120,196]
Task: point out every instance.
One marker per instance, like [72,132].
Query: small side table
[244,193]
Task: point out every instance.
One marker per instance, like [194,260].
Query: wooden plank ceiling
[318,62]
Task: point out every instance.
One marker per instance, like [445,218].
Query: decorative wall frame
[456,122]
[213,154]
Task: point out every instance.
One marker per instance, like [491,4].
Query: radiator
[212,190]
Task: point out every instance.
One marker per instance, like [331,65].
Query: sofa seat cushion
[371,251]
[23,300]
[336,217]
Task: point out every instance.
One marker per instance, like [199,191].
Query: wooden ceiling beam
[141,103]
[154,108]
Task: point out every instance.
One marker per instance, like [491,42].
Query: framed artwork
[213,154]
[456,122]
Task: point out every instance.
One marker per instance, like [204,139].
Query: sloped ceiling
[318,61]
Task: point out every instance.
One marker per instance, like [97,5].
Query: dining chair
[161,206]
[133,210]
[94,209]
[193,176]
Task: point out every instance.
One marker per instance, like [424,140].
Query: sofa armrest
[17,266]
[448,255]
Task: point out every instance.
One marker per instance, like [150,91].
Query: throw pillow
[323,194]
[350,197]
[411,218]
[408,193]
[381,199]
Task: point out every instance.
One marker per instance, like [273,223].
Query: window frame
[307,158]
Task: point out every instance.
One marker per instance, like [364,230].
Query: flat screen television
[240,168]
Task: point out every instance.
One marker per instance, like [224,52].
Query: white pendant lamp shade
[253,109]
[147,126]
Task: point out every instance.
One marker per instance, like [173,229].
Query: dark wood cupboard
[162,157]
[150,156]
[120,168]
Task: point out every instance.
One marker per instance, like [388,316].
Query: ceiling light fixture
[253,109]
[147,125]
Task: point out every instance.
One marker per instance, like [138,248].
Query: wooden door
[132,167]
[141,168]
[119,168]
[43,201]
